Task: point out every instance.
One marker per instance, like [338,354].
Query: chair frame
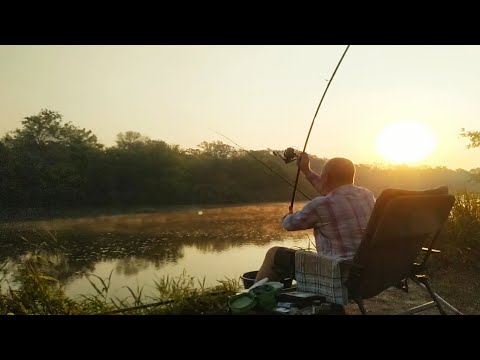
[416,272]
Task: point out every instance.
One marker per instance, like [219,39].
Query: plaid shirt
[339,219]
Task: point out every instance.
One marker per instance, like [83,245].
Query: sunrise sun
[406,142]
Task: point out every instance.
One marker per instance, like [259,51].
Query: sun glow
[406,142]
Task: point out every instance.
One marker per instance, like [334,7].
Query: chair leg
[361,305]
[423,280]
[403,285]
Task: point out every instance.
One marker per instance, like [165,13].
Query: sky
[260,96]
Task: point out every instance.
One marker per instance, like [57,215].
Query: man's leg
[279,263]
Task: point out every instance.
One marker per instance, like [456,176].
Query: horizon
[263,97]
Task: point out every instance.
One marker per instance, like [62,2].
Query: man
[339,218]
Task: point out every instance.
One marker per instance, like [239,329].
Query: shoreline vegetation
[35,293]
[52,167]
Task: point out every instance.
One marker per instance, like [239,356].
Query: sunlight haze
[406,142]
[259,96]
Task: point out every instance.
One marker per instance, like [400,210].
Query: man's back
[339,220]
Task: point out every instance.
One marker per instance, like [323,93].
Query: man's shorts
[284,262]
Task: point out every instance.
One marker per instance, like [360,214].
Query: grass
[40,294]
[34,291]
[460,241]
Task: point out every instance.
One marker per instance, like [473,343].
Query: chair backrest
[402,221]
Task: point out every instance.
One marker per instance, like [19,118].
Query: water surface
[208,243]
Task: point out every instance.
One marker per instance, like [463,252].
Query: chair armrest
[352,269]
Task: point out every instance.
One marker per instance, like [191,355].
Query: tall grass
[190,296]
[34,290]
[461,240]
[40,294]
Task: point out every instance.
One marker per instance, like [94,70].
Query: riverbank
[458,285]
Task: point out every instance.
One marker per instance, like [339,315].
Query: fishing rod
[313,121]
[261,162]
[156,304]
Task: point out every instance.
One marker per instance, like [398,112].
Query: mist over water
[211,243]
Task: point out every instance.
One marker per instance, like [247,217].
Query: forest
[51,163]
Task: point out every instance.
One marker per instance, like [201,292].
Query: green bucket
[242,303]
[265,295]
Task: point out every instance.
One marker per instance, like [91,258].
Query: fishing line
[261,162]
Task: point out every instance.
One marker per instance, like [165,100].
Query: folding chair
[399,239]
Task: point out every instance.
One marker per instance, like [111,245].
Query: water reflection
[222,242]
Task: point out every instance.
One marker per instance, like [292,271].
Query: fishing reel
[289,155]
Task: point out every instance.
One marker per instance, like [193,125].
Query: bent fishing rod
[311,126]
[261,162]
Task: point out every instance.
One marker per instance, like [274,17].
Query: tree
[218,150]
[47,128]
[50,161]
[130,140]
[473,136]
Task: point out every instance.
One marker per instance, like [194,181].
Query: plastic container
[242,303]
[277,285]
[265,296]
[248,280]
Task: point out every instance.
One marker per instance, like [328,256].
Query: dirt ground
[459,287]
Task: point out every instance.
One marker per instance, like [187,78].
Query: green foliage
[39,294]
[34,292]
[131,140]
[461,242]
[217,150]
[46,162]
[190,299]
[47,128]
[473,136]
[51,164]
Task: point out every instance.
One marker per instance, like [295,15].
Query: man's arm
[310,175]
[303,219]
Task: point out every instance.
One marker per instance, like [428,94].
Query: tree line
[49,163]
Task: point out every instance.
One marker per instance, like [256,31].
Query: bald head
[339,171]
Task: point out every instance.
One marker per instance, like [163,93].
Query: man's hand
[303,162]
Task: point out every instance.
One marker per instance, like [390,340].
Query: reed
[460,241]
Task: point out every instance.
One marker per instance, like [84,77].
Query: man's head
[335,173]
